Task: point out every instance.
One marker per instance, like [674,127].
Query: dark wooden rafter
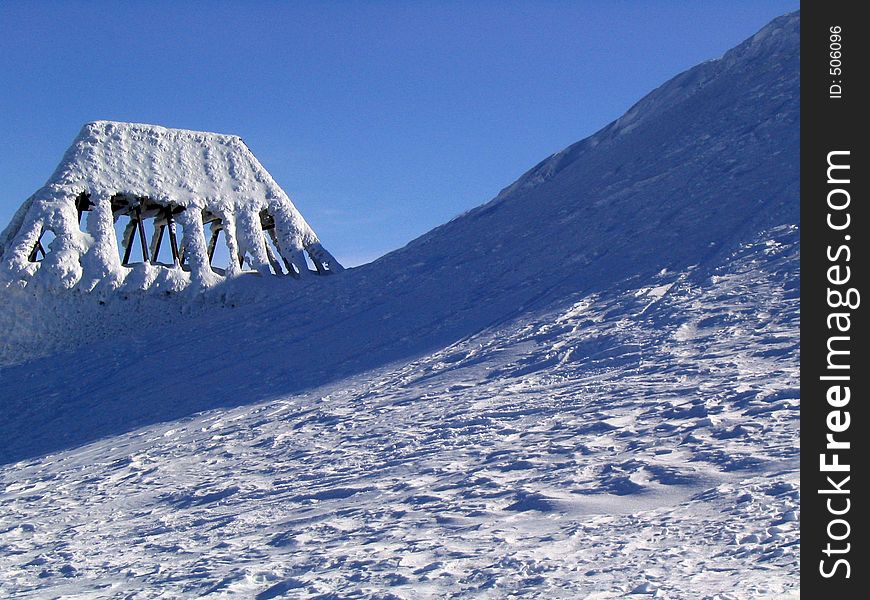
[38,248]
[287,266]
[212,243]
[167,223]
[216,225]
[267,221]
[135,226]
[140,227]
[155,246]
[276,266]
[83,203]
[139,209]
[129,234]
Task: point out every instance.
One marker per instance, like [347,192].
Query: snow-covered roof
[167,165]
[114,169]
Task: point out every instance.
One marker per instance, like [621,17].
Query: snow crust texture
[115,169]
[586,388]
[637,443]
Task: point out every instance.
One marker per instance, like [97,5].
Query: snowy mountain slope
[683,186]
[644,443]
[585,388]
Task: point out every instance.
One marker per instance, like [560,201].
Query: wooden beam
[287,265]
[141,229]
[212,243]
[173,243]
[273,261]
[130,230]
[155,251]
[37,248]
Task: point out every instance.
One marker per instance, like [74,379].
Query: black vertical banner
[834,371]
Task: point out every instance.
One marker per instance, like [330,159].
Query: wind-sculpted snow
[586,388]
[643,442]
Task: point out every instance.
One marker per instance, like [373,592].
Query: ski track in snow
[643,444]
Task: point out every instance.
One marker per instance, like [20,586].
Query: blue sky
[380,119]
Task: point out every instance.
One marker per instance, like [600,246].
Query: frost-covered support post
[321,257]
[16,257]
[18,221]
[290,239]
[229,226]
[194,248]
[275,259]
[251,240]
[101,262]
[62,267]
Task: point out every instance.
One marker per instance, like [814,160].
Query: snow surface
[586,388]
